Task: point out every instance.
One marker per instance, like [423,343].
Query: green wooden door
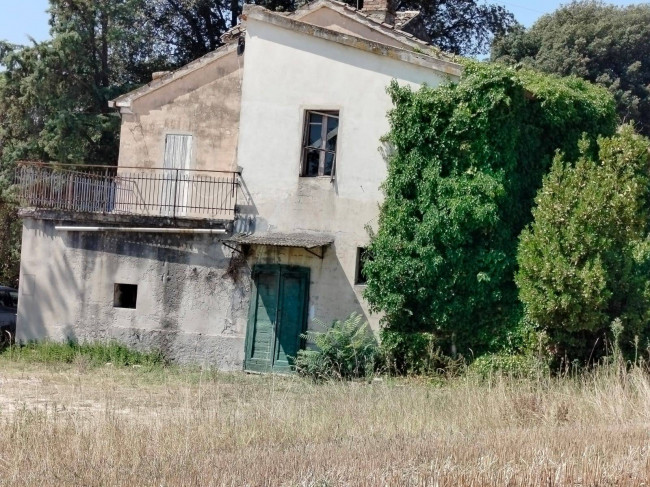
[277,317]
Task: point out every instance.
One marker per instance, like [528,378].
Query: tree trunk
[234,12]
[104,79]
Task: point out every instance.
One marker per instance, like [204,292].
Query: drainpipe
[209,231]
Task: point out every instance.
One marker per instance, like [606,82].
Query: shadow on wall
[246,218]
[67,276]
[180,249]
[339,299]
[331,295]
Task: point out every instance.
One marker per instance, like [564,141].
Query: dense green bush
[346,350]
[410,353]
[518,366]
[585,260]
[10,235]
[465,161]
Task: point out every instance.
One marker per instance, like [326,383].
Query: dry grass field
[103,426]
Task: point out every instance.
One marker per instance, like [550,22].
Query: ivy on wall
[465,162]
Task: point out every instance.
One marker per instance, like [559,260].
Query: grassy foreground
[75,424]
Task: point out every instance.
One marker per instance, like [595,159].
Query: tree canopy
[465,162]
[464,27]
[585,259]
[602,43]
[54,95]
[194,27]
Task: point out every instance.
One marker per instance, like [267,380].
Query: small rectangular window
[319,144]
[125,295]
[362,255]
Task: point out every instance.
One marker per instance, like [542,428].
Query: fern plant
[347,350]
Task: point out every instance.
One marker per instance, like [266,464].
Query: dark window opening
[125,295]
[362,257]
[319,144]
[7,300]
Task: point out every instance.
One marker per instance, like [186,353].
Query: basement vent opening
[125,295]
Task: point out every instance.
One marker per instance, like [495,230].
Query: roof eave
[261,14]
[124,101]
[360,16]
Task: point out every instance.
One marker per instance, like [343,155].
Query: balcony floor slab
[71,217]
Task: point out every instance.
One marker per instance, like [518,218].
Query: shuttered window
[178,154]
[178,151]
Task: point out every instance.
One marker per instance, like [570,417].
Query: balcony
[136,191]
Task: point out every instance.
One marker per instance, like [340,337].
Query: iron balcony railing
[128,190]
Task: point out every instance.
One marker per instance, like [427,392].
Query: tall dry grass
[72,425]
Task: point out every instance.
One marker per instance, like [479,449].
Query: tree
[194,27]
[585,259]
[464,27]
[191,28]
[601,43]
[54,95]
[465,163]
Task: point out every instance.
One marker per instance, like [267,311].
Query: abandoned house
[238,209]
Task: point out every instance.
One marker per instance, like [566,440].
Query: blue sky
[22,18]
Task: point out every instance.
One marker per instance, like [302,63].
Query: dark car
[8,309]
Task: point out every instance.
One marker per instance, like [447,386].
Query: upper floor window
[319,145]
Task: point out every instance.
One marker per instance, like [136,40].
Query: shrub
[585,259]
[10,234]
[347,350]
[410,353]
[510,365]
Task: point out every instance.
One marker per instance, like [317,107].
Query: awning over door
[307,241]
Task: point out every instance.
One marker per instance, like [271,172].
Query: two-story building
[239,208]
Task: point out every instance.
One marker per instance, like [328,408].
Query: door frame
[252,308]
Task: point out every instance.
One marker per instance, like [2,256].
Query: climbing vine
[466,160]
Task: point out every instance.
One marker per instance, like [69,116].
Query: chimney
[380,10]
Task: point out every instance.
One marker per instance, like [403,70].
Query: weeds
[85,355]
[118,426]
[347,350]
[151,426]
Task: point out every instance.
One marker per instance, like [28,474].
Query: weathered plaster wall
[287,73]
[205,104]
[187,306]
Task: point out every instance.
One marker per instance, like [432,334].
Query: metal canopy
[305,241]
